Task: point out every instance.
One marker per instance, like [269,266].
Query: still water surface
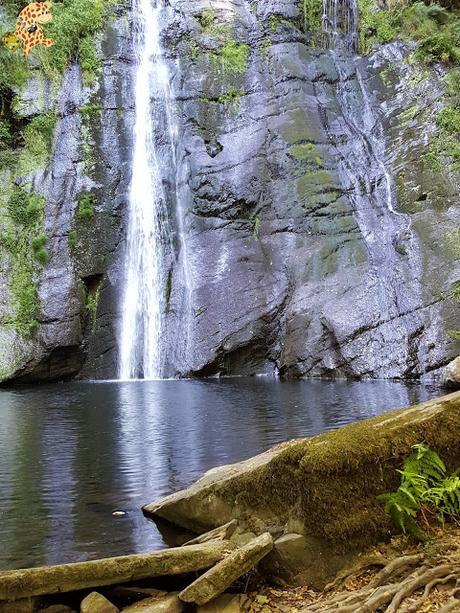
[71,454]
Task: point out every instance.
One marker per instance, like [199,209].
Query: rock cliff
[315,232]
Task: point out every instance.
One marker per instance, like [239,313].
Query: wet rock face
[85,186]
[316,239]
[310,207]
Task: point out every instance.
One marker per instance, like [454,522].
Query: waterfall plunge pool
[73,453]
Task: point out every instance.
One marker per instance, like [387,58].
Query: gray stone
[451,374]
[169,603]
[97,603]
[302,560]
[226,603]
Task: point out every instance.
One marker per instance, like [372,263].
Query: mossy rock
[325,487]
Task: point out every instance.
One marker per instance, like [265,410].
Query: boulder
[300,560]
[325,488]
[169,603]
[24,605]
[200,507]
[451,374]
[223,574]
[97,603]
[226,603]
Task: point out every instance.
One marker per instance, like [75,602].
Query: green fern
[424,463]
[424,485]
[445,498]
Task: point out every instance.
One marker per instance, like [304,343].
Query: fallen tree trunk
[224,573]
[17,584]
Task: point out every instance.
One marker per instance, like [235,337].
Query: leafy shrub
[73,29]
[425,488]
[5,134]
[448,119]
[436,30]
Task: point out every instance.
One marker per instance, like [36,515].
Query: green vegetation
[275,21]
[448,119]
[455,291]
[72,239]
[74,29]
[206,19]
[38,246]
[90,109]
[233,57]
[86,204]
[25,245]
[25,209]
[435,29]
[92,302]
[425,491]
[232,96]
[29,148]
[308,153]
[311,12]
[256,227]
[38,137]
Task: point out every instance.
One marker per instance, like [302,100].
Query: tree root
[393,589]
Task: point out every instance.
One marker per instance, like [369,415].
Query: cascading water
[149,234]
[340,25]
[362,163]
[340,36]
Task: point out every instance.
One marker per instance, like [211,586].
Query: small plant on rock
[425,491]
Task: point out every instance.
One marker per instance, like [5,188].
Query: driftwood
[25,583]
[224,573]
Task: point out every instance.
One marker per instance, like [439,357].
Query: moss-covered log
[17,584]
[222,575]
[326,487]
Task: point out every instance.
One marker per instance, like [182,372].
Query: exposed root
[394,588]
[355,570]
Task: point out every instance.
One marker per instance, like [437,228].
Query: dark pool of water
[73,453]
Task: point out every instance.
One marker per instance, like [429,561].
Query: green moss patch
[86,205]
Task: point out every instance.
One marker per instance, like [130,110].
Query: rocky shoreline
[303,514]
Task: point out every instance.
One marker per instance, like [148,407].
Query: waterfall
[149,233]
[339,24]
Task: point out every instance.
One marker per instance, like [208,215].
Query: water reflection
[73,453]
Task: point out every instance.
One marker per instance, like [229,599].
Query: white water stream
[155,132]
